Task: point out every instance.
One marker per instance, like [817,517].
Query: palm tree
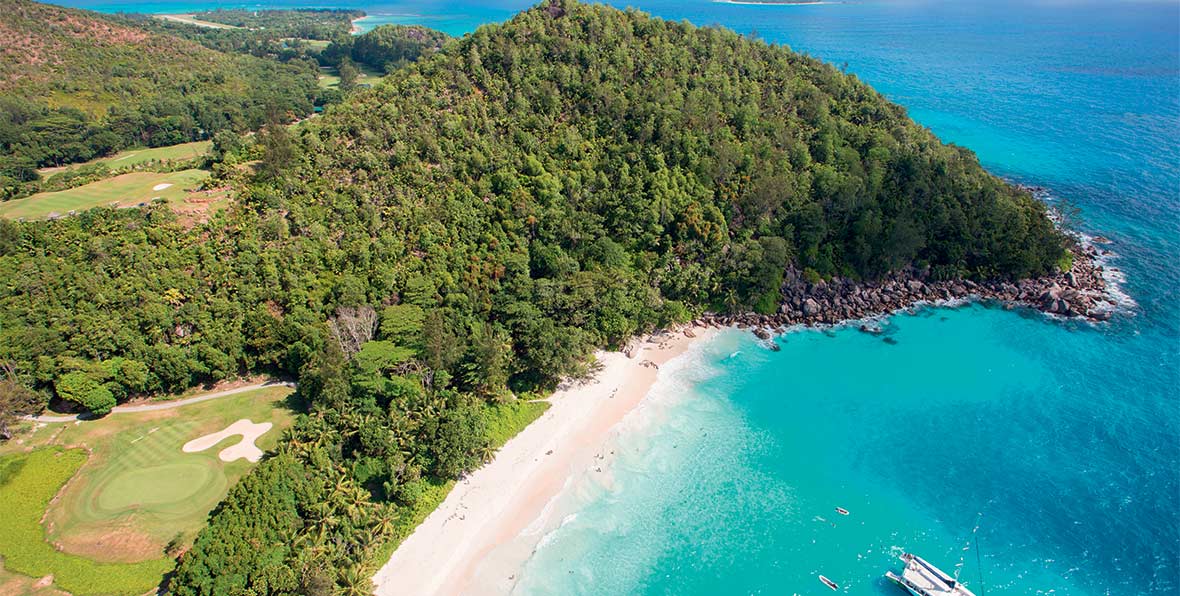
[355,582]
[356,501]
[384,524]
[487,453]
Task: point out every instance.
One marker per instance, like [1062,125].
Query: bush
[79,388]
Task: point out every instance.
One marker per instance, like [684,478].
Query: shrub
[79,388]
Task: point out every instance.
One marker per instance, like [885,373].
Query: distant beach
[498,503]
[356,29]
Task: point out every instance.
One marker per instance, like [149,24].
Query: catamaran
[920,578]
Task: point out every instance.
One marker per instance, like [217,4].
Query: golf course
[104,506]
[330,77]
[124,190]
[134,157]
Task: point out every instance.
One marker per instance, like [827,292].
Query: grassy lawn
[131,490]
[12,584]
[329,78]
[318,44]
[132,157]
[126,190]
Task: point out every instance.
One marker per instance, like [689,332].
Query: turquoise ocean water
[1059,441]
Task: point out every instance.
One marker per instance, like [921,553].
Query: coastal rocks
[632,348]
[810,307]
[1080,292]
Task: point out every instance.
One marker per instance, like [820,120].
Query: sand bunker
[161,186]
[246,449]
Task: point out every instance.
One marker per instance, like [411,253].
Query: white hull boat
[920,578]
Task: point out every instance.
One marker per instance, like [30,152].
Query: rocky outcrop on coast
[1082,292]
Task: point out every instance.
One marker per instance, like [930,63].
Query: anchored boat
[920,578]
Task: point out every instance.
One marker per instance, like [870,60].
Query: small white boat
[920,578]
[829,583]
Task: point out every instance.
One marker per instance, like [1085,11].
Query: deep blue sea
[1058,442]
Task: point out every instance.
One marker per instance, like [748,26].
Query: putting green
[129,490]
[174,489]
[28,482]
[147,475]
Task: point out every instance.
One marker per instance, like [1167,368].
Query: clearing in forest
[190,19]
[132,157]
[330,77]
[125,190]
[104,505]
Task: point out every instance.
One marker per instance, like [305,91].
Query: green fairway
[131,157]
[330,78]
[131,492]
[126,190]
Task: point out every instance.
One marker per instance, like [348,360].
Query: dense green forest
[473,229]
[386,48]
[304,23]
[75,85]
[282,35]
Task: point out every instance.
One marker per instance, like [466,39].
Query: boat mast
[979,563]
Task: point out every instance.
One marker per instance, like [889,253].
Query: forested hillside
[76,85]
[283,35]
[387,47]
[477,226]
[303,23]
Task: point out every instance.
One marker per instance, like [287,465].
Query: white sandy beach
[495,505]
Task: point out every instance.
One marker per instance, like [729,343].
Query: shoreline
[1089,291]
[497,504]
[505,508]
[355,29]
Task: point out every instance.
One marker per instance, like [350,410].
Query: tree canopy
[75,85]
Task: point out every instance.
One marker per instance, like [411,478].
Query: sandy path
[496,504]
[168,405]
